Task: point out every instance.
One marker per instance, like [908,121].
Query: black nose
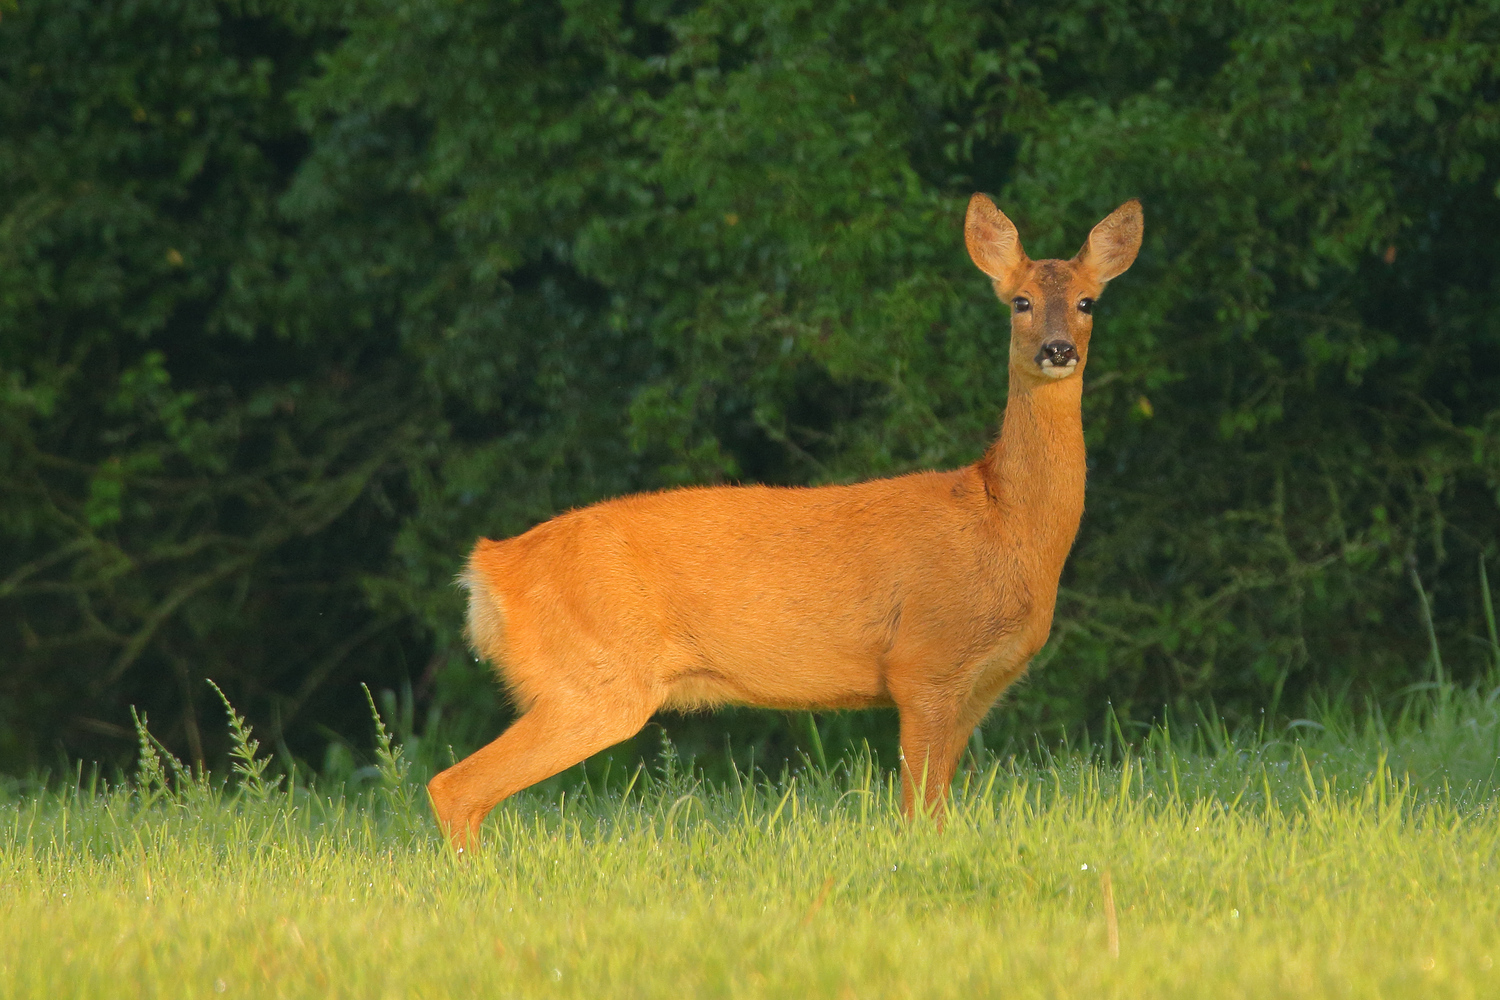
[1060,353]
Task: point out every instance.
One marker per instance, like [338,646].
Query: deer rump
[792,598]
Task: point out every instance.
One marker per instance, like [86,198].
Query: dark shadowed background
[299,298]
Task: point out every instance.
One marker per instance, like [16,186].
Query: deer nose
[1057,357]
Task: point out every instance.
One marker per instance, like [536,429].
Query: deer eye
[1020,304]
[1086,305]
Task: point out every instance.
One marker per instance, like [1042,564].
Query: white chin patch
[1058,371]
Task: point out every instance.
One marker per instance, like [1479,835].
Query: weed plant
[1346,855]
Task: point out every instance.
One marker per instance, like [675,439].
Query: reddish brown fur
[930,592]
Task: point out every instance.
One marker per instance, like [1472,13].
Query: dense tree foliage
[298,299]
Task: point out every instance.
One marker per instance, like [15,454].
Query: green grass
[1351,858]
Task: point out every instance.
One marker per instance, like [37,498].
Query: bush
[295,303]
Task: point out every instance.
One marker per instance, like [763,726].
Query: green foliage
[298,299]
[177,470]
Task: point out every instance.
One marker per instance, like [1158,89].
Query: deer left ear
[1113,243]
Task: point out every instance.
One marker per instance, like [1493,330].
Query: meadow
[1353,855]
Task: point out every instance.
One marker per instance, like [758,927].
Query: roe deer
[930,591]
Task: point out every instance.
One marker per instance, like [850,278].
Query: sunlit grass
[1345,858]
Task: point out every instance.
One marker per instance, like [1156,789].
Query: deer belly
[812,676]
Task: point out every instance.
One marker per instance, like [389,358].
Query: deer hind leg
[553,736]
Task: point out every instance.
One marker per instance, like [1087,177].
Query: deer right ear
[994,245]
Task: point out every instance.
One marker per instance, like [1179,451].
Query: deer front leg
[936,724]
[930,747]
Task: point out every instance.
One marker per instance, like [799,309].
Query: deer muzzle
[1057,358]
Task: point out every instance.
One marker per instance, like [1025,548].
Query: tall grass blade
[1489,611]
[244,747]
[1426,606]
[1111,922]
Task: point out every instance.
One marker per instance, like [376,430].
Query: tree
[366,282]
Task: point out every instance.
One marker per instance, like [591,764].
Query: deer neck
[1034,472]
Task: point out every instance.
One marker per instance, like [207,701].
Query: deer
[930,591]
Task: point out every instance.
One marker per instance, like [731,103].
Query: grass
[1351,858]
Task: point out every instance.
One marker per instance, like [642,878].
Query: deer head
[1051,301]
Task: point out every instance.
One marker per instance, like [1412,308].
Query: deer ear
[994,245]
[1113,243]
